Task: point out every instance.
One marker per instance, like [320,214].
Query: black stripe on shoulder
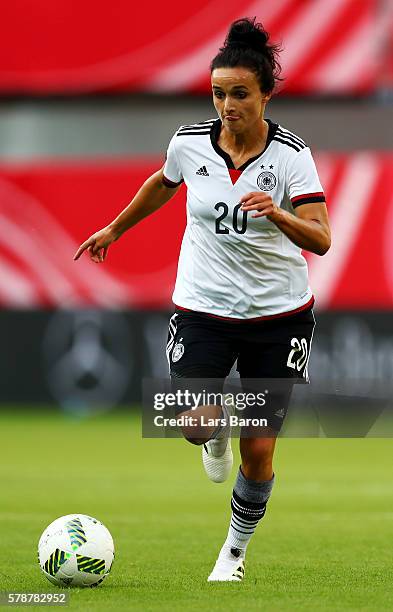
[290,139]
[194,133]
[308,200]
[288,143]
[292,136]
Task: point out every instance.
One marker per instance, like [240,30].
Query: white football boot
[217,454]
[229,566]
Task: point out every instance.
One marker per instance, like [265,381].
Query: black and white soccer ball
[76,550]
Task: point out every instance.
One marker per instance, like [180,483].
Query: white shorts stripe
[172,335]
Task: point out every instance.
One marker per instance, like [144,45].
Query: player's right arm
[151,196]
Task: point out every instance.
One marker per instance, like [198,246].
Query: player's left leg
[267,353]
[251,492]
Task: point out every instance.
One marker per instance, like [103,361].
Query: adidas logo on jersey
[203,171]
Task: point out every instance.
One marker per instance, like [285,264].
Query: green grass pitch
[325,544]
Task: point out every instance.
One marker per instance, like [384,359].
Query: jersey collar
[215,133]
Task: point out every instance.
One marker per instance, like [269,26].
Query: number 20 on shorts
[298,355]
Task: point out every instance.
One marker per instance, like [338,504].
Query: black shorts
[202,346]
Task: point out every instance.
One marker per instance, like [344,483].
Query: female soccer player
[254,201]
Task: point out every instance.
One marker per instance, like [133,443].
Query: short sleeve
[302,180]
[172,171]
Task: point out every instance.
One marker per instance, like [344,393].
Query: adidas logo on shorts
[202,171]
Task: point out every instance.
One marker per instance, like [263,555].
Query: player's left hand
[262,202]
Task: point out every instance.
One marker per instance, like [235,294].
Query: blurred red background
[48,208]
[339,46]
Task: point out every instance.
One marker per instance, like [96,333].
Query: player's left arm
[308,228]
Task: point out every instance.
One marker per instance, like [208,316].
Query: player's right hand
[97,245]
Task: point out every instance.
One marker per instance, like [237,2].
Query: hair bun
[248,45]
[247,33]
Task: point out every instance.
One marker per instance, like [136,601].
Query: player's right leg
[200,356]
[217,456]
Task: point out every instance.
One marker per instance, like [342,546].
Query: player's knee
[193,435]
[257,461]
[195,427]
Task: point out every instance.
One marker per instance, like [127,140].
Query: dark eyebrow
[234,87]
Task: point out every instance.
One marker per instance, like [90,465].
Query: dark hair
[247,45]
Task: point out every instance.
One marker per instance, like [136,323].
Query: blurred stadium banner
[48,209]
[331,47]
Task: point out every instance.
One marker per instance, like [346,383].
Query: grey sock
[251,490]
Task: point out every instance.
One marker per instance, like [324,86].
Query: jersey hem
[307,306]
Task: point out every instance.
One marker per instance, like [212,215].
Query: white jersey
[230,264]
